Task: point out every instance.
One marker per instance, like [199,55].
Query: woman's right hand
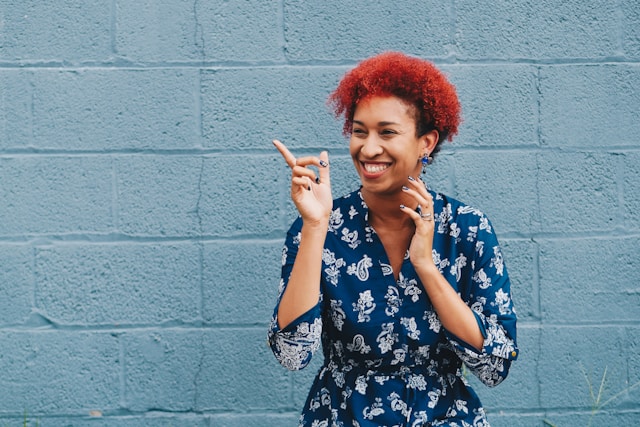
[311,196]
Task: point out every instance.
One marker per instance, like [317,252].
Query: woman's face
[384,146]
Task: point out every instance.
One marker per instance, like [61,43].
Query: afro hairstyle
[416,81]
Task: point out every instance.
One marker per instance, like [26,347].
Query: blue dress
[388,361]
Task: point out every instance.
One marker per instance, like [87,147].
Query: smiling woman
[384,144]
[399,284]
[432,100]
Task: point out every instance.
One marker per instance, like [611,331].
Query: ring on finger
[426,216]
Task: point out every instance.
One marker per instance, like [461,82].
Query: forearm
[303,287]
[454,314]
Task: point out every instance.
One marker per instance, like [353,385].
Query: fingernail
[323,163]
[309,188]
[405,188]
[317,180]
[402,206]
[411,178]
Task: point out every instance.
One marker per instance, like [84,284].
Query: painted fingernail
[405,188]
[309,188]
[323,163]
[402,206]
[411,178]
[317,180]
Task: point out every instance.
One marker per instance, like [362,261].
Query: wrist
[315,226]
[316,223]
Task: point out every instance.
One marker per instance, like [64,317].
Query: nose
[371,146]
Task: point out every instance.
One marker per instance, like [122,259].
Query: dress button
[514,354]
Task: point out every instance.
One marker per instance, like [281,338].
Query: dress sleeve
[294,345]
[489,297]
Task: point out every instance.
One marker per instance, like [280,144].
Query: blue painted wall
[143,208]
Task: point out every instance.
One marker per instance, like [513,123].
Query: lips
[374,169]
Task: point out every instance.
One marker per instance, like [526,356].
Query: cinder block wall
[143,208]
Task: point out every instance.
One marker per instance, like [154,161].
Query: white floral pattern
[388,359]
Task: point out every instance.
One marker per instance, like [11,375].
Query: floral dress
[388,361]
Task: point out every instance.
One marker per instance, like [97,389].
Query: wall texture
[143,208]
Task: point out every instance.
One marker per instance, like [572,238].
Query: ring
[426,216]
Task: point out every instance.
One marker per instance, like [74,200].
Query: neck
[385,209]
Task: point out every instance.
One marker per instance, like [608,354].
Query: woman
[400,285]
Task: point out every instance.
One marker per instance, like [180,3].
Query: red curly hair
[416,81]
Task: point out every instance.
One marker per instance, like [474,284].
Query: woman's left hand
[421,247]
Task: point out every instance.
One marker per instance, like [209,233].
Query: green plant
[597,403]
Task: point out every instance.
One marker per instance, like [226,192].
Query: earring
[425,162]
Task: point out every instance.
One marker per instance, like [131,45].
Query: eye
[388,132]
[358,132]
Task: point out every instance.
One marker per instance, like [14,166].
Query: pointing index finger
[286,154]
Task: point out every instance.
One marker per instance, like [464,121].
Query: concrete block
[631,391]
[248,108]
[16,283]
[521,259]
[106,420]
[574,357]
[239,373]
[263,420]
[241,195]
[576,281]
[118,284]
[577,192]
[158,195]
[45,195]
[336,30]
[158,31]
[536,29]
[630,28]
[161,367]
[520,391]
[593,105]
[50,31]
[514,419]
[240,281]
[15,108]
[213,31]
[499,105]
[70,372]
[107,109]
[440,175]
[603,417]
[502,184]
[630,169]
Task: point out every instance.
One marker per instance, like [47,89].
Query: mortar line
[198,35]
[121,63]
[113,26]
[282,25]
[619,177]
[198,112]
[123,374]
[453,15]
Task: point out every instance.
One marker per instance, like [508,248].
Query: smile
[375,167]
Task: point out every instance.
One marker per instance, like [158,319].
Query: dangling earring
[425,162]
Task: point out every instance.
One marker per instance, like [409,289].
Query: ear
[429,141]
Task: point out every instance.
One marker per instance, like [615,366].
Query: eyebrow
[379,123]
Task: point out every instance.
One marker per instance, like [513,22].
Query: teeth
[375,168]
